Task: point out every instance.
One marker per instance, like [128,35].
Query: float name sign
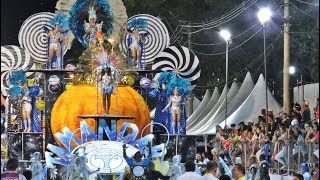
[105,155]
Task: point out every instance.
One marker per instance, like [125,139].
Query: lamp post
[264,15]
[226,36]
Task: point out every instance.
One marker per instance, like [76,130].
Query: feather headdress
[137,23]
[61,20]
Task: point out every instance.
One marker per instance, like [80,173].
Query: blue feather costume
[135,42]
[55,41]
[171,83]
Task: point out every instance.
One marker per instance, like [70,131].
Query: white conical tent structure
[206,109]
[251,107]
[210,118]
[244,91]
[202,105]
[195,104]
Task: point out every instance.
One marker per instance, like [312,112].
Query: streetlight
[226,36]
[292,70]
[264,15]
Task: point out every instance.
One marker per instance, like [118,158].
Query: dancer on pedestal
[26,108]
[175,102]
[105,77]
[107,87]
[136,40]
[56,41]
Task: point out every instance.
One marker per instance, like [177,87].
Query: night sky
[14,13]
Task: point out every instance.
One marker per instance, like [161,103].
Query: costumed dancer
[107,87]
[91,29]
[175,102]
[56,41]
[105,76]
[175,168]
[26,108]
[136,40]
[73,169]
[36,167]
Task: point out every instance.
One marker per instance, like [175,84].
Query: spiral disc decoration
[180,60]
[157,40]
[32,36]
[14,58]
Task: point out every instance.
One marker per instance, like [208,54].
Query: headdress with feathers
[138,23]
[61,20]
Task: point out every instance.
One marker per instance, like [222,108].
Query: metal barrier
[292,154]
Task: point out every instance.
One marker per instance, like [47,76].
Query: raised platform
[111,117]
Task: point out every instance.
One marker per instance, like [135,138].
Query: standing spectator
[250,123]
[211,171]
[297,109]
[306,112]
[253,168]
[197,162]
[314,141]
[12,170]
[282,140]
[205,157]
[270,114]
[238,172]
[264,114]
[317,111]
[295,122]
[264,168]
[286,120]
[190,172]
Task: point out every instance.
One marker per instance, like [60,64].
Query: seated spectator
[12,170]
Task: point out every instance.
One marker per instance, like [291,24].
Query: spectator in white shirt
[190,172]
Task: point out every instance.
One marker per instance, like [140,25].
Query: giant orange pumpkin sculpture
[82,100]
